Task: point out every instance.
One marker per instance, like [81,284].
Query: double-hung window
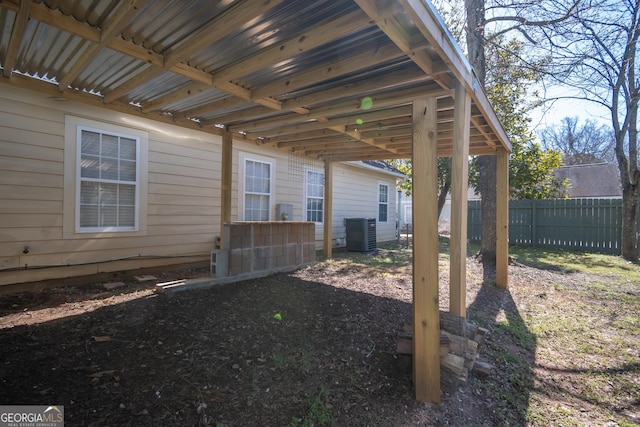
[108,184]
[315,196]
[383,202]
[257,190]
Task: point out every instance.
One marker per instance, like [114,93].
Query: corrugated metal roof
[165,24]
[109,70]
[262,68]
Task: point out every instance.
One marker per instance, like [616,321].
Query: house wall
[356,196]
[180,181]
[180,192]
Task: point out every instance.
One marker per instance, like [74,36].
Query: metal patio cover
[331,79]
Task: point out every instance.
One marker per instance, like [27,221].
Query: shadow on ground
[511,348]
[218,356]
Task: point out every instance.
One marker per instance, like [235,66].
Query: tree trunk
[475,46]
[628,166]
[475,37]
[488,206]
[442,196]
[629,218]
[631,187]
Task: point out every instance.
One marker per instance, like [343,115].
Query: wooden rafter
[17,33]
[112,26]
[281,109]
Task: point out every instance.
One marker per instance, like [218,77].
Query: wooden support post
[328,209]
[225,208]
[459,190]
[426,315]
[502,218]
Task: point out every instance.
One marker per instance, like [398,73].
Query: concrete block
[113,285]
[235,261]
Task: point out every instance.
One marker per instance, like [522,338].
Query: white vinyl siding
[356,195]
[383,202]
[179,192]
[315,196]
[257,190]
[107,181]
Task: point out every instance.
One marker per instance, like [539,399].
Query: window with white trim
[383,202]
[315,196]
[108,181]
[257,190]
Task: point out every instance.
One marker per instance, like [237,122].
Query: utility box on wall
[284,212]
[361,234]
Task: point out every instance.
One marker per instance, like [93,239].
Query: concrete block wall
[264,246]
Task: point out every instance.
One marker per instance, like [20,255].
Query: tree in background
[506,74]
[591,46]
[507,82]
[596,55]
[580,145]
[487,23]
[444,178]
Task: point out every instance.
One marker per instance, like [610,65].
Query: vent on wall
[361,234]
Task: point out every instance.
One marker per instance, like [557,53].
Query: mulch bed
[221,356]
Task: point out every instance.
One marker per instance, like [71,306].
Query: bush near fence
[593,225]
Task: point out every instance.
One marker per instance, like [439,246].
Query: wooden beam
[339,67]
[370,86]
[17,33]
[69,24]
[222,104]
[387,133]
[314,37]
[366,117]
[144,76]
[226,181]
[319,35]
[112,25]
[177,95]
[381,124]
[328,210]
[387,22]
[243,13]
[459,191]
[362,149]
[382,100]
[502,218]
[358,136]
[326,148]
[301,136]
[223,25]
[438,36]
[359,157]
[243,115]
[426,314]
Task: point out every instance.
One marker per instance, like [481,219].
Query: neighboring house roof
[380,166]
[386,166]
[593,180]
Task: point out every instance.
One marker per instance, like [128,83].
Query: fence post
[534,225]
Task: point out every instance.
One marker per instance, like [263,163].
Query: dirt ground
[313,347]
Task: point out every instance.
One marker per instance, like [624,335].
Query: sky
[554,112]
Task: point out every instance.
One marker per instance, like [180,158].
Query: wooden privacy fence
[593,225]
